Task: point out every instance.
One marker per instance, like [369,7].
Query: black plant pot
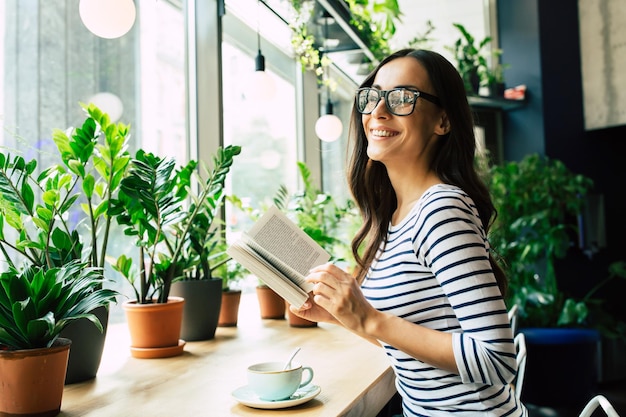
[203,299]
[87,347]
[472,81]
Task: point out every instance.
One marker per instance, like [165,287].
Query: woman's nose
[381,108]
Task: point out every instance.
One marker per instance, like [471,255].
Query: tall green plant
[62,252]
[172,223]
[37,209]
[537,200]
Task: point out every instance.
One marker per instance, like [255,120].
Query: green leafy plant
[496,75]
[231,272]
[538,200]
[172,224]
[590,311]
[317,214]
[37,303]
[423,40]
[56,224]
[44,211]
[373,20]
[472,58]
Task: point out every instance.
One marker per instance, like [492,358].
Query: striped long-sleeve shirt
[434,271]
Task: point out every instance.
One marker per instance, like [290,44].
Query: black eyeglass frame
[383,94]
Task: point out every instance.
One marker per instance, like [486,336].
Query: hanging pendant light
[108,19]
[261,86]
[328,127]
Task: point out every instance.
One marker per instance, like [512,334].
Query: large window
[263,123]
[50,62]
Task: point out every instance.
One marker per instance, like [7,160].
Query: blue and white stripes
[434,271]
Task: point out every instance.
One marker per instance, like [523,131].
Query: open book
[280,254]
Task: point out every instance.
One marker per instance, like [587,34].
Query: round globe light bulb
[108,19]
[110,104]
[328,128]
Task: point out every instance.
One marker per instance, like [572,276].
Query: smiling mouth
[383,133]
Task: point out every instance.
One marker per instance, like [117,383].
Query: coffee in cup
[271,382]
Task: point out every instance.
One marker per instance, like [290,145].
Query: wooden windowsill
[354,375]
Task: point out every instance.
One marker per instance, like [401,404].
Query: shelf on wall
[351,55]
[495,103]
[488,113]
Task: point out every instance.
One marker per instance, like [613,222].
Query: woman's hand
[336,298]
[312,312]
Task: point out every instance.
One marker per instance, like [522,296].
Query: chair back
[520,347]
[513,313]
[599,400]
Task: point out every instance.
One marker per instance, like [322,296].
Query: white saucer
[246,397]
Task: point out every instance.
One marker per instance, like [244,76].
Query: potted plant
[202,292]
[204,252]
[495,80]
[471,58]
[231,272]
[36,304]
[60,215]
[538,200]
[171,224]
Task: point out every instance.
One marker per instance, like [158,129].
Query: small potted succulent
[172,224]
[36,304]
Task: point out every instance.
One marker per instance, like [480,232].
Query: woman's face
[403,139]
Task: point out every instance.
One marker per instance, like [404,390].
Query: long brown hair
[453,162]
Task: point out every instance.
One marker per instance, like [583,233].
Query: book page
[276,263]
[281,237]
[264,270]
[279,253]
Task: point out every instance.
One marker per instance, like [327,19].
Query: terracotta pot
[229,312]
[155,328]
[297,321]
[203,300]
[33,380]
[271,305]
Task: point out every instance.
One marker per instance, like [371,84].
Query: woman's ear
[443,126]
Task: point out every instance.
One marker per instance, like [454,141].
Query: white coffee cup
[270,382]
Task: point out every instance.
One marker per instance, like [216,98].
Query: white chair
[599,400]
[513,317]
[520,347]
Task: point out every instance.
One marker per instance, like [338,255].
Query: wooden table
[354,375]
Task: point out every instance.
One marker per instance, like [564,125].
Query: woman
[427,288]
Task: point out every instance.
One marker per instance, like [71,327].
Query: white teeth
[386,133]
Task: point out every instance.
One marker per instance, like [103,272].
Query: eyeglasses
[399,101]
